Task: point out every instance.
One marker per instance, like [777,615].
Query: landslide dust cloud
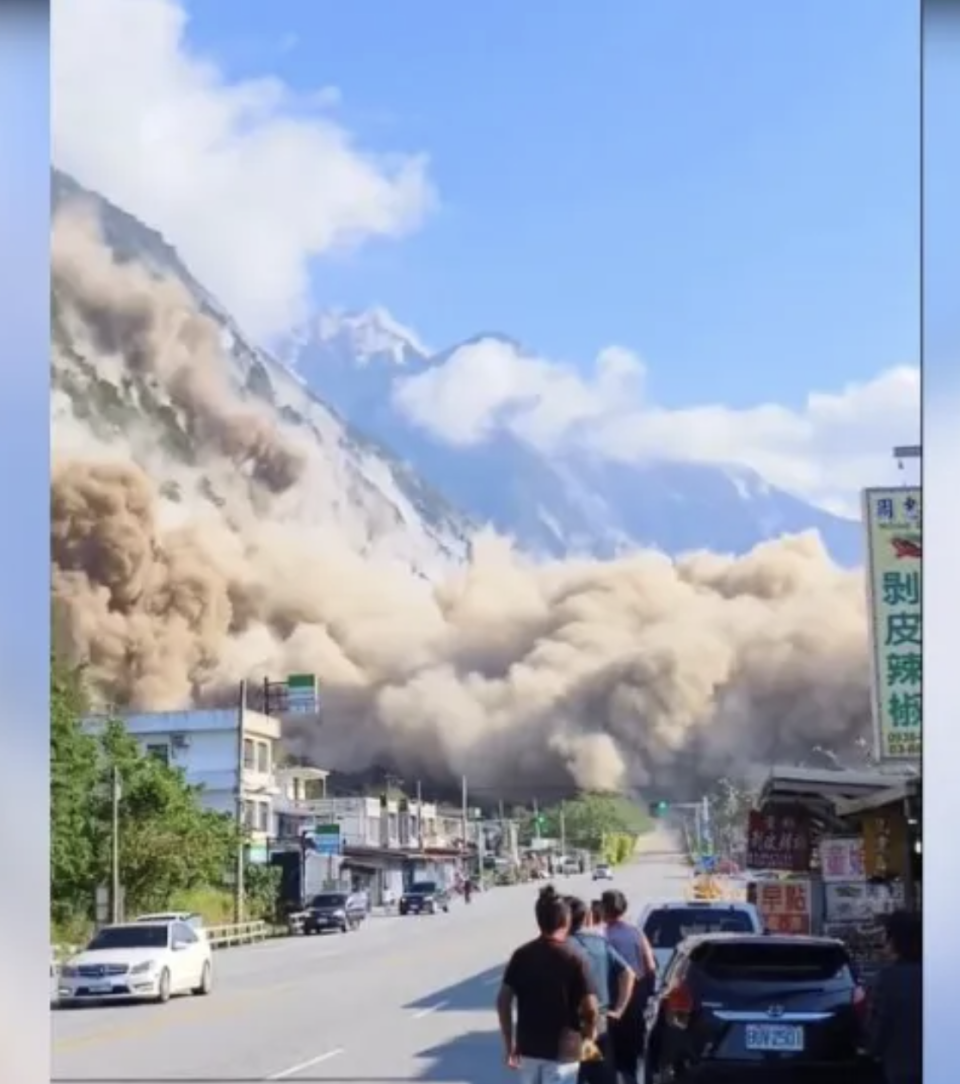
[523,676]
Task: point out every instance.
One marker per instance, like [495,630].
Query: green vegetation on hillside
[606,824]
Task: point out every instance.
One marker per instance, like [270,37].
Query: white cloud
[247,179]
[825,451]
[492,382]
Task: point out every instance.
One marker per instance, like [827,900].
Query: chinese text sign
[893,518]
[842,859]
[778,841]
[784,906]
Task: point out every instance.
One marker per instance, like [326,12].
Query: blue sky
[731,190]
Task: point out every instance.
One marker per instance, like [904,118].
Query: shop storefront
[834,852]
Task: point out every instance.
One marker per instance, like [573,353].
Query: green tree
[74,773]
[168,842]
[590,818]
[262,888]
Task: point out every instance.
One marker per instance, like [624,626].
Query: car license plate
[774,1037]
[100,988]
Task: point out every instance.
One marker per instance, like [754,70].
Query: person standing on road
[626,1033]
[596,916]
[556,1006]
[895,1019]
[613,981]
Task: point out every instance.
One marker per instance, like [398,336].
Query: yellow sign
[885,843]
[893,519]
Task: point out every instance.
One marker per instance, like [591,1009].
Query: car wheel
[345,928]
[206,981]
[163,987]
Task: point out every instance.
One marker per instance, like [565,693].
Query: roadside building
[204,743]
[840,850]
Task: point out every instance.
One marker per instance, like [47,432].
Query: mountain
[552,505]
[200,429]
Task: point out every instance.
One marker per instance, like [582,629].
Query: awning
[908,788]
[786,784]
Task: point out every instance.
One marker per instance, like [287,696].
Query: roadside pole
[419,816]
[115,845]
[239,888]
[463,823]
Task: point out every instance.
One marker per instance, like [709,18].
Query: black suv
[424,898]
[749,1007]
[341,911]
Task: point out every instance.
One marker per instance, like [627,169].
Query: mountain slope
[102,400]
[556,506]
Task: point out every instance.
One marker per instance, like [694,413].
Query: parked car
[138,961]
[343,911]
[602,872]
[748,1007]
[424,898]
[665,925]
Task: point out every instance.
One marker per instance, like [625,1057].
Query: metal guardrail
[237,933]
[225,936]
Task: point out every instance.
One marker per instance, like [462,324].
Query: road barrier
[237,933]
[226,936]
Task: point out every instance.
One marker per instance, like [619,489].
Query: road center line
[429,1009]
[309,1064]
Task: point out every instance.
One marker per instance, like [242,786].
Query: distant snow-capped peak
[371,336]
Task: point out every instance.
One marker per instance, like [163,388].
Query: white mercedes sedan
[138,961]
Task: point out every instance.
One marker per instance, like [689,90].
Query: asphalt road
[403,999]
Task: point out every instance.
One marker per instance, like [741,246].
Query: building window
[248,754]
[263,758]
[160,751]
[263,816]
[249,814]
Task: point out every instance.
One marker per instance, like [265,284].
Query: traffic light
[659,808]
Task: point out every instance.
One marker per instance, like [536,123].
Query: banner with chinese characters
[842,859]
[893,519]
[778,840]
[784,906]
[885,843]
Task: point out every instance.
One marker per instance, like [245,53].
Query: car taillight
[679,1004]
[860,1004]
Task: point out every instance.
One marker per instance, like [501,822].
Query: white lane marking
[429,1009]
[309,1064]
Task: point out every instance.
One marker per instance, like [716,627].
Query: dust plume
[153,324]
[522,675]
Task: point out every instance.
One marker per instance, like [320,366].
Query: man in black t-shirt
[556,1005]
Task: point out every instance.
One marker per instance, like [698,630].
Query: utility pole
[563,832]
[707,831]
[419,815]
[536,819]
[115,845]
[463,816]
[238,888]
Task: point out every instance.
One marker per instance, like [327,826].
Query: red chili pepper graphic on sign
[907,547]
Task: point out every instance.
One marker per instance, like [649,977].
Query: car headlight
[142,969]
[340,914]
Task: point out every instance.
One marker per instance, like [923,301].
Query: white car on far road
[148,961]
[602,872]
